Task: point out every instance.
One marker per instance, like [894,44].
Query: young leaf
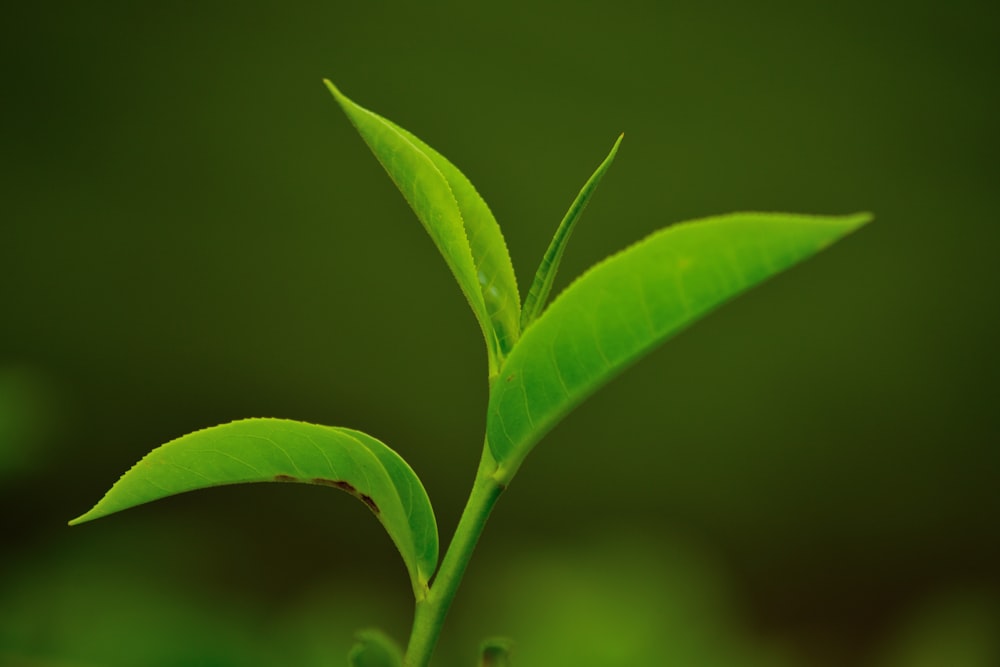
[538,294]
[489,249]
[456,218]
[282,450]
[629,303]
[374,648]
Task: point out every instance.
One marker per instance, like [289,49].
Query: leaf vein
[234,458]
[193,472]
[273,443]
[329,463]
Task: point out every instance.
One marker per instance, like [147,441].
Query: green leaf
[489,249]
[282,450]
[375,649]
[538,294]
[457,219]
[626,305]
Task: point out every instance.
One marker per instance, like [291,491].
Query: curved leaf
[374,648]
[282,450]
[538,294]
[489,249]
[631,302]
[456,218]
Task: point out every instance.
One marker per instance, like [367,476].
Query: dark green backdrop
[192,232]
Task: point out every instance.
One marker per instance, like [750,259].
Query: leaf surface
[282,450]
[538,294]
[455,217]
[489,249]
[629,303]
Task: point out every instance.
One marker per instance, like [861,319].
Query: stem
[430,611]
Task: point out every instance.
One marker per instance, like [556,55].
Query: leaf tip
[863,217]
[855,221]
[95,512]
[614,149]
[337,95]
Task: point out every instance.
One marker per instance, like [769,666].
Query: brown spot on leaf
[337,484]
[367,500]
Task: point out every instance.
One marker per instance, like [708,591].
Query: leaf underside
[456,218]
[282,450]
[628,304]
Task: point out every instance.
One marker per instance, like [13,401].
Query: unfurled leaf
[456,218]
[626,305]
[282,450]
[489,249]
[374,648]
[538,294]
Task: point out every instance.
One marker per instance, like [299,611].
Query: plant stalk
[430,611]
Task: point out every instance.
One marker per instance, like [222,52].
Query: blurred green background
[193,233]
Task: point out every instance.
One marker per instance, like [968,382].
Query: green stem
[430,611]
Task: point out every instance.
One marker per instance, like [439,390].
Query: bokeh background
[192,232]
